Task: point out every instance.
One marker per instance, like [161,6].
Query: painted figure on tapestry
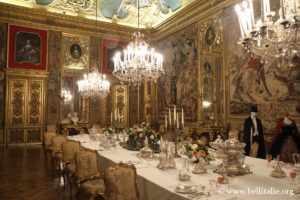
[266,82]
[28,46]
[179,85]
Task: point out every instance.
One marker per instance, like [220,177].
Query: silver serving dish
[231,152]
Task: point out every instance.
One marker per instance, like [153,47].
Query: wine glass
[269,159]
[293,175]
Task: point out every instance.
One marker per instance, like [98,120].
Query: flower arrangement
[198,150]
[107,130]
[137,135]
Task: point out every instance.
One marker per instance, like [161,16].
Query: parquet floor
[24,175]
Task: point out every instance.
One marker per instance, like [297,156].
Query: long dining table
[156,184]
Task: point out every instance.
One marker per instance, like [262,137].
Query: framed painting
[75,53]
[27,48]
[109,49]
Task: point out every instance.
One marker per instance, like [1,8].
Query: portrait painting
[109,49]
[75,52]
[210,35]
[207,67]
[27,48]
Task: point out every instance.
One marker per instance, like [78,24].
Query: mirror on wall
[73,105]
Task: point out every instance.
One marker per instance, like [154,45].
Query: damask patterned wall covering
[3,49]
[95,62]
[274,86]
[179,85]
[54,69]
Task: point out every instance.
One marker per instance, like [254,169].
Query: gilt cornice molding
[195,12]
[43,19]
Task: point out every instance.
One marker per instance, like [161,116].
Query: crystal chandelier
[66,96]
[94,84]
[267,37]
[138,64]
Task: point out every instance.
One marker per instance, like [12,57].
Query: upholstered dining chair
[56,153]
[88,177]
[69,150]
[48,143]
[120,182]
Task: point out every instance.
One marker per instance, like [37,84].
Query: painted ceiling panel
[123,12]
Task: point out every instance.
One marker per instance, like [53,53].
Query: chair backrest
[51,128]
[48,138]
[120,182]
[87,165]
[57,141]
[69,150]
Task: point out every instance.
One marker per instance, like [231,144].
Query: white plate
[186,189]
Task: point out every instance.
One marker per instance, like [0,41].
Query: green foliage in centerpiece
[107,130]
[137,135]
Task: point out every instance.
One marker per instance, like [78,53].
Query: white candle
[295,6]
[170,117]
[166,120]
[238,9]
[251,13]
[174,114]
[182,117]
[177,121]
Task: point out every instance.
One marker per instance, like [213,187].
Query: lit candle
[174,114]
[177,121]
[166,120]
[238,11]
[251,13]
[170,116]
[295,6]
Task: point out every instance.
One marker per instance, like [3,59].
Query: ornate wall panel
[16,103]
[35,102]
[211,68]
[120,101]
[95,62]
[25,108]
[75,52]
[54,64]
[3,50]
[179,85]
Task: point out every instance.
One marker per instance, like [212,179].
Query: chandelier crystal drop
[94,84]
[138,64]
[270,36]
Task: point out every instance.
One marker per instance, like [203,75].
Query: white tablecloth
[156,184]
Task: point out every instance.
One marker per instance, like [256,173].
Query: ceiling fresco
[123,12]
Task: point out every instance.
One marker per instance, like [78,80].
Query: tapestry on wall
[54,63]
[179,85]
[3,46]
[273,85]
[95,62]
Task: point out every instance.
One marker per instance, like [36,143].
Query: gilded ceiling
[123,12]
